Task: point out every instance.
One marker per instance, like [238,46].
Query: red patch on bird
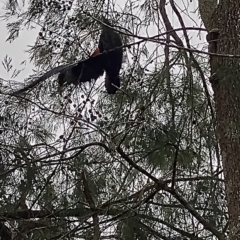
[96,52]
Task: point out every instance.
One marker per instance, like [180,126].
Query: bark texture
[206,10]
[225,81]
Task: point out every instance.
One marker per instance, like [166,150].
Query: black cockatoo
[109,39]
[94,67]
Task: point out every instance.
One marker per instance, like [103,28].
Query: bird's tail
[112,80]
[112,83]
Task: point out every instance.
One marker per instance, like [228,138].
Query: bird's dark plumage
[109,40]
[85,71]
[93,68]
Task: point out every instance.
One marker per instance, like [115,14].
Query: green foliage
[160,119]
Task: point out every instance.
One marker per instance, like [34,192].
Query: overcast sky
[16,50]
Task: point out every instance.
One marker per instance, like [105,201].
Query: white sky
[16,50]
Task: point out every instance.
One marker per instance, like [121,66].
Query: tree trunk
[225,81]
